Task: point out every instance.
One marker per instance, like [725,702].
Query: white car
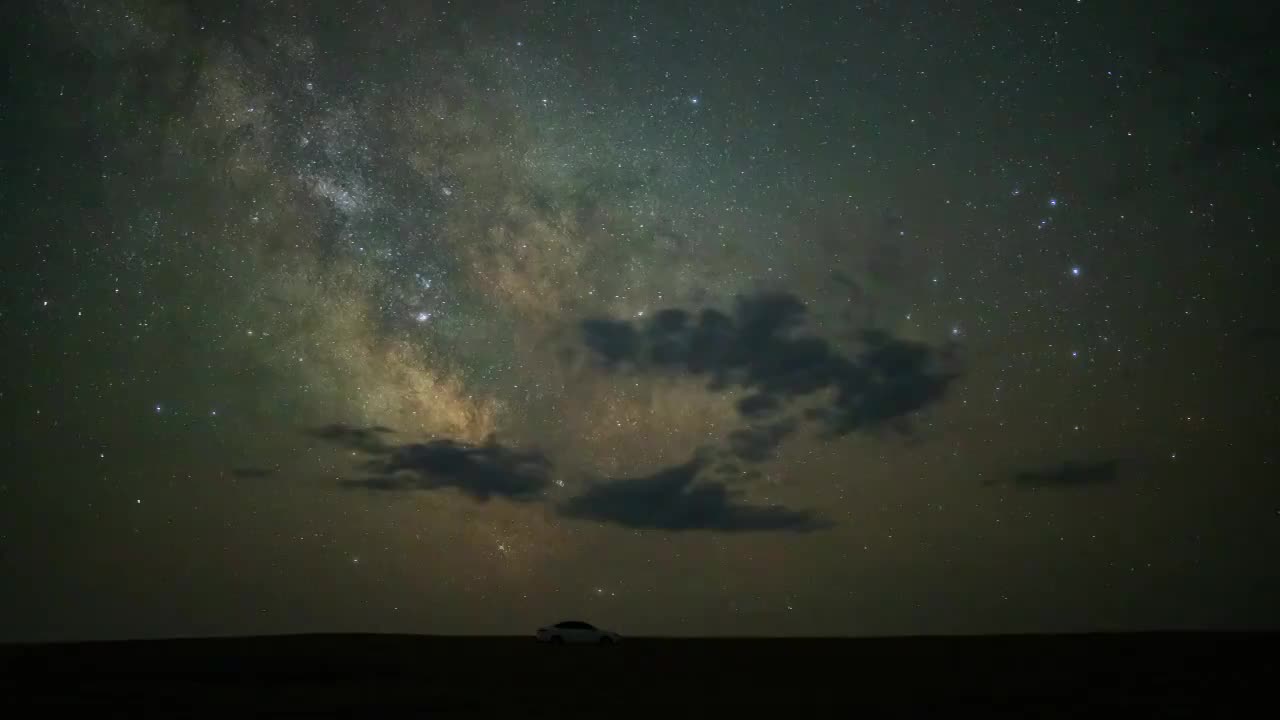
[575,631]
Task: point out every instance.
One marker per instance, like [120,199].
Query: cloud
[1070,474]
[672,499]
[480,472]
[757,406]
[757,444]
[759,349]
[365,439]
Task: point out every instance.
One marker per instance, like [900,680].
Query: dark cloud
[478,471]
[757,444]
[890,379]
[1070,474]
[758,348]
[757,406]
[673,499]
[365,439]
[730,471]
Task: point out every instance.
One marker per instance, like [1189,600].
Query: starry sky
[751,318]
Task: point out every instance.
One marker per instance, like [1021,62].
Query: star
[518,349]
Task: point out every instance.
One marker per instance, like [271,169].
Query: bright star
[1075,271]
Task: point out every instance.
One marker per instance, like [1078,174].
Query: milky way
[729,318]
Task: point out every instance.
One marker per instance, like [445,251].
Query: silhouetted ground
[1164,673]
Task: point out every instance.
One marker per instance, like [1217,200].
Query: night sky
[683,318]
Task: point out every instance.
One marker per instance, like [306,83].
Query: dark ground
[1164,673]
